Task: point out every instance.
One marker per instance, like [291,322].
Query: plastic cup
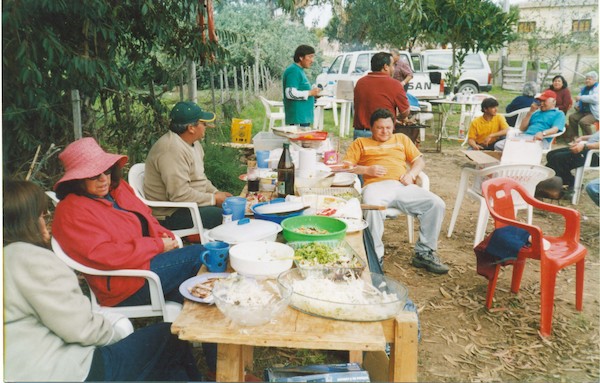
[262,158]
[237,206]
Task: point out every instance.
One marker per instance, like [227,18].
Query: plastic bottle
[227,215]
[285,173]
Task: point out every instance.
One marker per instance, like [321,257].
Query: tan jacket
[175,172]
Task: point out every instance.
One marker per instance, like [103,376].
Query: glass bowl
[370,297]
[250,302]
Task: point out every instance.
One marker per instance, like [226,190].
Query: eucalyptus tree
[115,52]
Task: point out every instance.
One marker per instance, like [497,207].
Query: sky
[321,15]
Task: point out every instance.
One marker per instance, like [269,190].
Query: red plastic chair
[563,251]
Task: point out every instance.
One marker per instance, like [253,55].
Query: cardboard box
[241,131]
[349,372]
[483,158]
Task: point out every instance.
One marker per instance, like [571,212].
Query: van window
[439,61]
[416,60]
[346,65]
[473,61]
[363,63]
[335,67]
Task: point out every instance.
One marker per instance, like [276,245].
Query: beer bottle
[285,173]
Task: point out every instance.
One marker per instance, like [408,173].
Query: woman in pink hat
[101,223]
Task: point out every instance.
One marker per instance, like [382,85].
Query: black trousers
[562,161]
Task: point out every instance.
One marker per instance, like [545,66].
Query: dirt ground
[461,339]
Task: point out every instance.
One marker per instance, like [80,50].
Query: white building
[544,22]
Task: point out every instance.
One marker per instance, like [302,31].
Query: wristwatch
[585,146]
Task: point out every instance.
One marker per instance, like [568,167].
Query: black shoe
[430,261]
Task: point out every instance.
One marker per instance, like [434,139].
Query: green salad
[321,254]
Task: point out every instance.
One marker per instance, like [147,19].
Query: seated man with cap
[175,170]
[542,120]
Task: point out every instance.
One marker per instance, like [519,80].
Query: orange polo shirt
[392,154]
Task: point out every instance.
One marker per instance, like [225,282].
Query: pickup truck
[428,67]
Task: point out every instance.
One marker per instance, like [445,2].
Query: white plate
[341,168]
[281,207]
[354,224]
[183,288]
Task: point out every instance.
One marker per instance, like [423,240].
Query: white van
[354,65]
[428,67]
[475,78]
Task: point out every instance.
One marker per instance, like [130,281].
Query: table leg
[343,119]
[248,356]
[230,363]
[355,356]
[403,356]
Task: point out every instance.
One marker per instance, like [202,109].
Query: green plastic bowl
[336,229]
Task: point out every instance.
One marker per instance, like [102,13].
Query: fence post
[226,77]
[192,83]
[76,103]
[235,90]
[243,77]
[212,89]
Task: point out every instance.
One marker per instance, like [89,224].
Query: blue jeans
[593,190]
[172,267]
[151,354]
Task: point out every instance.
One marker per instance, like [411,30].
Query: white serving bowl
[261,259]
[248,302]
[343,179]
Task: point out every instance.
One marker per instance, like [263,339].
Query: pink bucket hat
[84,158]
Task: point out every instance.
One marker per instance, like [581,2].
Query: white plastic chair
[158,306]
[270,115]
[470,183]
[390,212]
[136,180]
[579,173]
[520,113]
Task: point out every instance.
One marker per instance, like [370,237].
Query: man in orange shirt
[382,160]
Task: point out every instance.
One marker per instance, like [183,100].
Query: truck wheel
[468,88]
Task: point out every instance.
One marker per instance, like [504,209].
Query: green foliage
[273,38]
[367,24]
[113,52]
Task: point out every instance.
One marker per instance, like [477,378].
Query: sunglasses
[107,172]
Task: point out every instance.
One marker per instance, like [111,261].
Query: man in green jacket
[298,94]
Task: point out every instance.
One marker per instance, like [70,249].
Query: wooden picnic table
[205,323]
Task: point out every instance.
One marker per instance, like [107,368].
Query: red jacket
[96,234]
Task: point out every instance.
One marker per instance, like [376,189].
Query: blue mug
[215,256]
[237,206]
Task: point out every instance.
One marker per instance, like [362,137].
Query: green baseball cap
[188,112]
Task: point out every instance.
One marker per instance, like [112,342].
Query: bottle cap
[227,211]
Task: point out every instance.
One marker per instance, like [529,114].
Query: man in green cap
[175,170]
